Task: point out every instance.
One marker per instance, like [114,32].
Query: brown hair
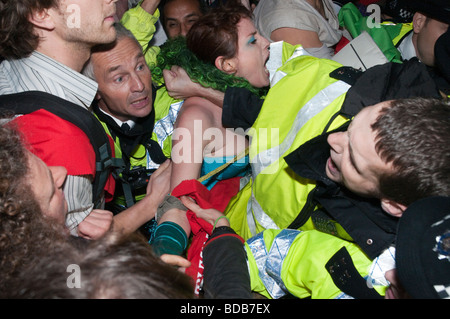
[413,134]
[113,267]
[20,215]
[35,253]
[17,36]
[216,33]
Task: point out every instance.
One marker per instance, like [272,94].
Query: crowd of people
[215,149]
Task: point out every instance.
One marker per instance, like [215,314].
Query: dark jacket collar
[141,133]
[387,81]
[362,218]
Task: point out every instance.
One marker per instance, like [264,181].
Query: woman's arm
[188,139]
[187,154]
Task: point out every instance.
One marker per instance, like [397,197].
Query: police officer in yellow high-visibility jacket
[305,104]
[130,129]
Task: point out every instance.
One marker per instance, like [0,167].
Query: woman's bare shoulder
[197,108]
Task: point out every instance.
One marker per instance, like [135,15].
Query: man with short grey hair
[124,106]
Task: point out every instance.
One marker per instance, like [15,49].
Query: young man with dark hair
[408,159]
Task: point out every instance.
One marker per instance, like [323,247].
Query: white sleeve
[78,193]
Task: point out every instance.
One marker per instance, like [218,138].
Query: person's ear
[42,19]
[226,65]
[392,208]
[419,20]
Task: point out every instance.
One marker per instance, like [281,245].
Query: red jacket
[60,143]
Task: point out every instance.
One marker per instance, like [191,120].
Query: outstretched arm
[134,217]
[188,146]
[141,21]
[180,86]
[150,6]
[226,274]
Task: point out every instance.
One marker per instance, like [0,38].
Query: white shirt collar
[406,48]
[130,123]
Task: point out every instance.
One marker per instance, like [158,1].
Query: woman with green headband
[221,50]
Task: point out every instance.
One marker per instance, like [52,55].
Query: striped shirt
[39,72]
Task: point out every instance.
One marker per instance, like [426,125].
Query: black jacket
[226,274]
[362,218]
[379,83]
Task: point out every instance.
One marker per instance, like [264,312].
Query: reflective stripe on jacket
[166,113]
[303,104]
[293,262]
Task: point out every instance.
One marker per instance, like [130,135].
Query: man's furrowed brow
[139,55]
[118,67]
[113,69]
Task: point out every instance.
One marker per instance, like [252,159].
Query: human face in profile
[252,55]
[86,22]
[47,185]
[353,159]
[426,32]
